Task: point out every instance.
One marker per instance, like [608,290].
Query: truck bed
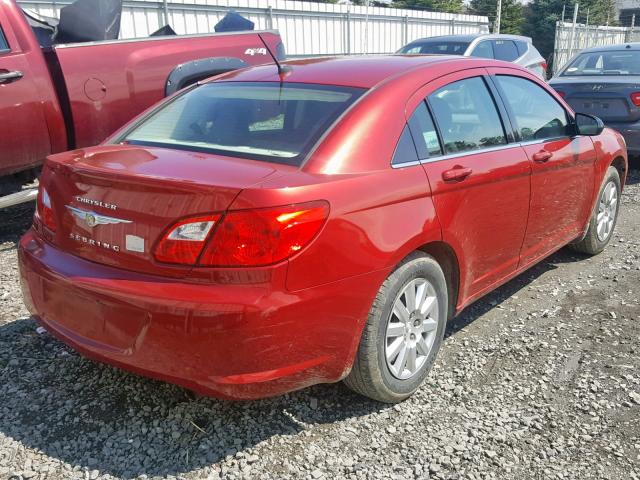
[102,85]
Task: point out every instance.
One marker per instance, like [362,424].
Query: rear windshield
[271,121]
[442,47]
[616,62]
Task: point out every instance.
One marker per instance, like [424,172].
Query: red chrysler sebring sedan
[262,232]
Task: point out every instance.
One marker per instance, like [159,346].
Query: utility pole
[573,30]
[496,28]
[564,5]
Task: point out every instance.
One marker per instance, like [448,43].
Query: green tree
[511,18]
[451,6]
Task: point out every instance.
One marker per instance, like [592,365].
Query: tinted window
[536,112]
[483,50]
[505,50]
[522,47]
[441,47]
[263,121]
[615,62]
[424,133]
[467,116]
[405,150]
[3,42]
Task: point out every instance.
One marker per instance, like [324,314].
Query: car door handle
[542,156]
[8,77]
[457,174]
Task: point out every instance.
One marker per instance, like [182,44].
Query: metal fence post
[453,26]
[405,30]
[348,34]
[166,12]
[270,17]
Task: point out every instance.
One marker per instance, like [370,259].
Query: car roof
[618,46]
[470,37]
[355,71]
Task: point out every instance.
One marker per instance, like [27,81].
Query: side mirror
[588,125]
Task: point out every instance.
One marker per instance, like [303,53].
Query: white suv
[510,48]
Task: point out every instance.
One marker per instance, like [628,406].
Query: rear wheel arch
[446,257]
[621,166]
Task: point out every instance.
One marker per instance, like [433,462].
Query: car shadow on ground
[97,417]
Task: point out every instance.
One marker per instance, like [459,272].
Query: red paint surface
[253,332]
[107,84]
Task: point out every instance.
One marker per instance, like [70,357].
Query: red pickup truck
[69,96]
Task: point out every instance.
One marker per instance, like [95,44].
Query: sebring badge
[92,218]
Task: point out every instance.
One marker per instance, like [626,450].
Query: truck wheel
[604,216]
[403,333]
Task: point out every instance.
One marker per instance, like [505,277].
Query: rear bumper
[631,134]
[230,341]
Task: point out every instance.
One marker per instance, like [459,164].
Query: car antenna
[282,69]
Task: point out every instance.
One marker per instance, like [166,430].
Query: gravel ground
[538,380]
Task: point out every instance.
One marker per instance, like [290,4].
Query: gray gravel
[538,380]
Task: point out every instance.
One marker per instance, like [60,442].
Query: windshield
[262,121]
[433,46]
[615,62]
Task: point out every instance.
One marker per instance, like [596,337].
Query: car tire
[604,216]
[375,374]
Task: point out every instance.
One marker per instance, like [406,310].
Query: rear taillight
[247,238]
[184,242]
[544,67]
[635,98]
[45,209]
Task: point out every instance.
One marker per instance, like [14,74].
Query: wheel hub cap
[607,210]
[411,328]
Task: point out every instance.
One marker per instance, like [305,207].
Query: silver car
[510,48]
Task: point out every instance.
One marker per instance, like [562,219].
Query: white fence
[570,40]
[307,28]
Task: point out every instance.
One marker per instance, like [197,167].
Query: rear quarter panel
[109,83]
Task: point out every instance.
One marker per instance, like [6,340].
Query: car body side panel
[376,220]
[108,83]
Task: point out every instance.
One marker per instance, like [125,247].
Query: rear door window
[537,114]
[466,116]
[277,122]
[505,50]
[483,50]
[4,46]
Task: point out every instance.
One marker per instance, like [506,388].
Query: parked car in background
[605,81]
[65,96]
[510,48]
[275,228]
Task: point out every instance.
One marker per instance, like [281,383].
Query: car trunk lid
[112,204]
[607,98]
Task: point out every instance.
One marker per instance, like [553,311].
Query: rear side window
[261,121]
[424,133]
[537,114]
[522,47]
[483,50]
[3,41]
[436,47]
[466,116]
[405,150]
[505,50]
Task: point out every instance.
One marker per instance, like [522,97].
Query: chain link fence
[570,39]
